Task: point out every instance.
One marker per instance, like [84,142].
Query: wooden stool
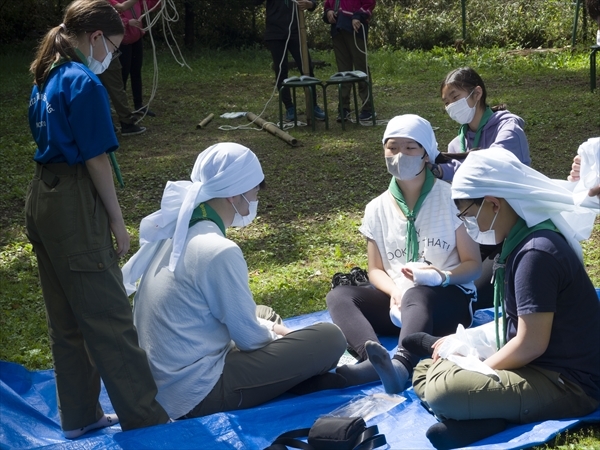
[354,77]
[303,82]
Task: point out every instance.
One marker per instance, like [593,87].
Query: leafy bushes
[425,24]
[26,19]
[411,24]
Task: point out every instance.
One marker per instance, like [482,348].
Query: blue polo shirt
[70,116]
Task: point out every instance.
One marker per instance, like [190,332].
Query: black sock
[419,343]
[359,373]
[328,380]
[460,433]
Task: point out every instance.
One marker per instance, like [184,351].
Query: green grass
[309,214]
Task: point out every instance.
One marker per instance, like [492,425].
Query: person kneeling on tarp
[547,365]
[195,315]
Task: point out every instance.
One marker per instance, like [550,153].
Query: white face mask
[460,111]
[405,167]
[481,237]
[242,221]
[96,66]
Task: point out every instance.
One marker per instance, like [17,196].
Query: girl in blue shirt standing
[72,212]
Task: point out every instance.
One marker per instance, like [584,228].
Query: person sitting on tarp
[194,312]
[421,260]
[547,363]
[480,127]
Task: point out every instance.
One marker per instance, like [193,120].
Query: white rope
[362,27]
[167,17]
[275,90]
[286,126]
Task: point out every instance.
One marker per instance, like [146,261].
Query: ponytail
[81,16]
[56,45]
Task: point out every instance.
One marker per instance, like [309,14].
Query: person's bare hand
[436,347]
[396,298]
[331,16]
[408,273]
[281,330]
[356,24]
[595,191]
[303,5]
[575,169]
[121,236]
[135,23]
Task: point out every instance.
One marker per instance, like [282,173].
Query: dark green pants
[528,394]
[90,322]
[348,57]
[253,378]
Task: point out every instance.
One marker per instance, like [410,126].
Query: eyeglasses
[461,215]
[117,52]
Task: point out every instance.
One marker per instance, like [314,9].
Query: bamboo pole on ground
[305,62]
[272,128]
[205,121]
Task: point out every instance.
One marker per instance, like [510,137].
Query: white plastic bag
[467,348]
[589,174]
[368,406]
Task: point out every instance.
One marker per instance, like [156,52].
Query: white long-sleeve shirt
[188,320]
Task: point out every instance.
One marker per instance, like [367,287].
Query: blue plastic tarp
[29,417]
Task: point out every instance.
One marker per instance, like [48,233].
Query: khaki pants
[528,394]
[112,79]
[348,57]
[90,323]
[253,378]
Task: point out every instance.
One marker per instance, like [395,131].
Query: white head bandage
[222,170]
[413,127]
[532,195]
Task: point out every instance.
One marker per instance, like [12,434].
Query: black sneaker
[131,129]
[366,115]
[346,113]
[359,276]
[142,110]
[341,279]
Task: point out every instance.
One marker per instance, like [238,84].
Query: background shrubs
[410,24]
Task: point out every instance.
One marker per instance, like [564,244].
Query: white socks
[105,421]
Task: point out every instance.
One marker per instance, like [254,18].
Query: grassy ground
[309,214]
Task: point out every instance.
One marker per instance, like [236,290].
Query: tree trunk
[189,30]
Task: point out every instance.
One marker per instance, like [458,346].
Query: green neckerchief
[519,232]
[204,212]
[412,241]
[81,57]
[462,132]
